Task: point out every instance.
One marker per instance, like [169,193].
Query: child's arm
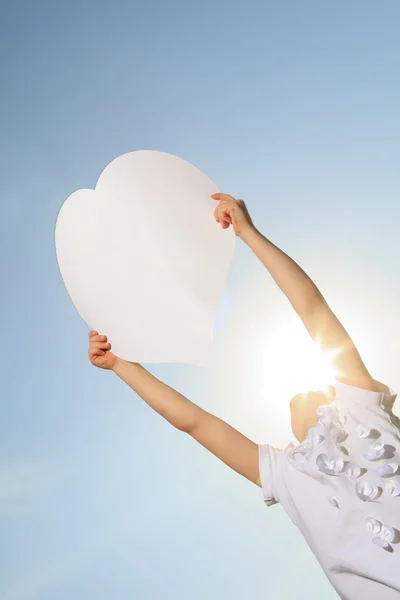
[312,308]
[301,291]
[225,442]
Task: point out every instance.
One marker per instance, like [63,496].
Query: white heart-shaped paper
[143,259]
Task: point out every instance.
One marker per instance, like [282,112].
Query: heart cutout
[143,259]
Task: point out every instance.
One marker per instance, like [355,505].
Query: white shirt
[341,488]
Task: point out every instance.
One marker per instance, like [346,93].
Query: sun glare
[292,362]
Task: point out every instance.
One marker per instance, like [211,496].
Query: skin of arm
[312,308]
[217,436]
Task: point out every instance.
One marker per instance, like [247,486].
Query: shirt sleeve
[267,460]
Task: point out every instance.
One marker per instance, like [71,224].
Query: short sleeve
[267,461]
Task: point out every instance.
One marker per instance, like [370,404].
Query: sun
[292,362]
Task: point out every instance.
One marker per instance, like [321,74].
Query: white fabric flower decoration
[377,450]
[315,437]
[392,487]
[367,491]
[362,430]
[384,538]
[383,534]
[338,435]
[330,465]
[373,525]
[305,447]
[387,469]
[352,471]
[299,454]
[329,416]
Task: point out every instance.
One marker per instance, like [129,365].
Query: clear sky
[293,106]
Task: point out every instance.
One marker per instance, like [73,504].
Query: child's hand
[232,212]
[99,351]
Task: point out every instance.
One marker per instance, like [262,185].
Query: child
[341,484]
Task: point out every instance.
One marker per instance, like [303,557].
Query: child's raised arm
[225,442]
[312,308]
[302,293]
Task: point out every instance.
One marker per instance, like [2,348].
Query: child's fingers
[220,213]
[95,352]
[102,345]
[224,215]
[220,197]
[98,338]
[95,337]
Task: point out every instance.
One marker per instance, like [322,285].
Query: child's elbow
[187,424]
[185,427]
[193,422]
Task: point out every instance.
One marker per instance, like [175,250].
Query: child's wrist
[249,234]
[120,363]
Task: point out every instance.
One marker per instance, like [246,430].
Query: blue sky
[292,106]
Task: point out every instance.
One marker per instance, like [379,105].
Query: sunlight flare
[290,362]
